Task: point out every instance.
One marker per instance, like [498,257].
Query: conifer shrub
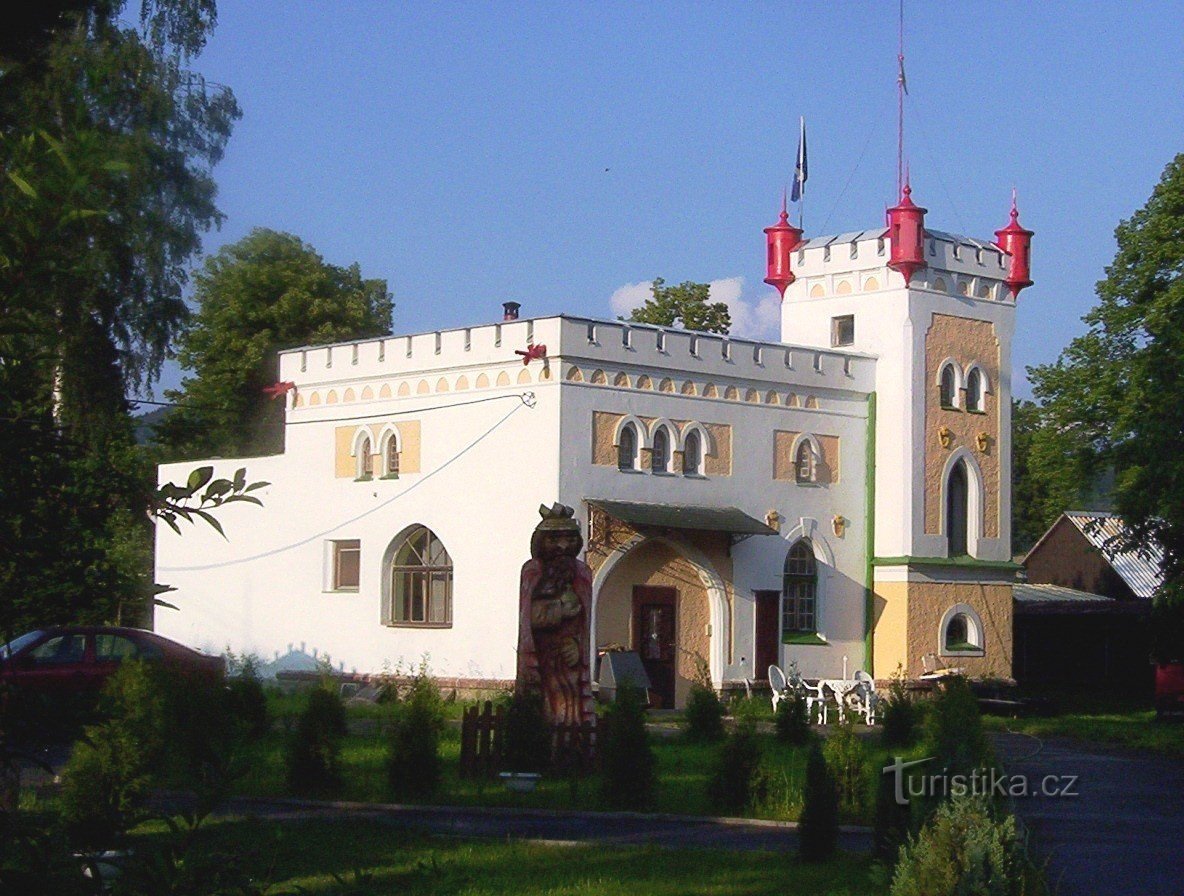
[737,780]
[628,765]
[247,701]
[898,726]
[413,755]
[314,746]
[110,772]
[791,721]
[528,736]
[704,714]
[818,825]
[954,734]
[846,757]
[967,848]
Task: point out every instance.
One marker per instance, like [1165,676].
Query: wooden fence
[483,739]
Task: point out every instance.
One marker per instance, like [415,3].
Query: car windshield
[15,646]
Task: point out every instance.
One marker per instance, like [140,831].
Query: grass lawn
[369,857]
[683,772]
[684,769]
[1130,728]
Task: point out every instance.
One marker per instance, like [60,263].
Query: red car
[79,659]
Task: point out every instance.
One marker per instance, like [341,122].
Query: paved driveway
[1123,835]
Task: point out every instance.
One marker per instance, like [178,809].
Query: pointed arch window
[365,460]
[800,589]
[660,456]
[957,512]
[692,454]
[390,459]
[420,592]
[627,448]
[949,387]
[974,390]
[803,462]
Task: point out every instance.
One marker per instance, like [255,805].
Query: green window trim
[804,639]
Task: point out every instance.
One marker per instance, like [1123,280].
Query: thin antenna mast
[901,89]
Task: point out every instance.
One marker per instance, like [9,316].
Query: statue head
[557,534]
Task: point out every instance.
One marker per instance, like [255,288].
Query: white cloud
[629,296]
[754,317]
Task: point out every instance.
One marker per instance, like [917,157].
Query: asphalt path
[1122,834]
[552,826]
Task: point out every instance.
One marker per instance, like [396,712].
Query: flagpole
[798,173]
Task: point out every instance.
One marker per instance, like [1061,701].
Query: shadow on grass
[373,857]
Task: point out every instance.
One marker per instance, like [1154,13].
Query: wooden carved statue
[555,606]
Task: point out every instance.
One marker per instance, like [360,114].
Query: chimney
[510,310]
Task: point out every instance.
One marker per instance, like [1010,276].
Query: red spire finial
[1017,243]
[780,240]
[906,234]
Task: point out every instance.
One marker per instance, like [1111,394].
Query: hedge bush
[967,849]
[791,721]
[413,756]
[314,746]
[628,766]
[736,778]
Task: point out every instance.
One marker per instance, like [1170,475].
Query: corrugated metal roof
[1139,569]
[1027,593]
[673,516]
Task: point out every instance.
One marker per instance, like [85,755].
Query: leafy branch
[201,494]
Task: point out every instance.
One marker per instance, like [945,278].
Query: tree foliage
[1115,390]
[266,292]
[687,305]
[106,144]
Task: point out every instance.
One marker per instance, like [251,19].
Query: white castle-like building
[840,499]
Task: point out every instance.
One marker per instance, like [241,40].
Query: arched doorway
[663,599]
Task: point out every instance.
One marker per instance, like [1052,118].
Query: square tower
[940,485]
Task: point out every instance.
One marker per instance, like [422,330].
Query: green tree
[106,145]
[688,303]
[266,292]
[1116,388]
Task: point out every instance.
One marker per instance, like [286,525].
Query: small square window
[347,565]
[842,330]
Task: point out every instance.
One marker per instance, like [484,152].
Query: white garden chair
[794,685]
[868,699]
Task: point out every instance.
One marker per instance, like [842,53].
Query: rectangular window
[347,565]
[842,330]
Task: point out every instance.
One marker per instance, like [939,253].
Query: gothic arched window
[420,581]
[365,460]
[627,448]
[800,589]
[957,516]
[660,456]
[692,454]
[974,390]
[949,387]
[803,463]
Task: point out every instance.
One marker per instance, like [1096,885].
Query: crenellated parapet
[859,262]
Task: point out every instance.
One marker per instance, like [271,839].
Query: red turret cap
[906,233]
[781,239]
[1017,243]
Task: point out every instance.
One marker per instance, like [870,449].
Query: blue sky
[559,153]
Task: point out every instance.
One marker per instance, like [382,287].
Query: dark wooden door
[768,632]
[655,639]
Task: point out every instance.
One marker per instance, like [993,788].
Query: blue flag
[800,172]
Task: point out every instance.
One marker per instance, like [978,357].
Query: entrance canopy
[680,516]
